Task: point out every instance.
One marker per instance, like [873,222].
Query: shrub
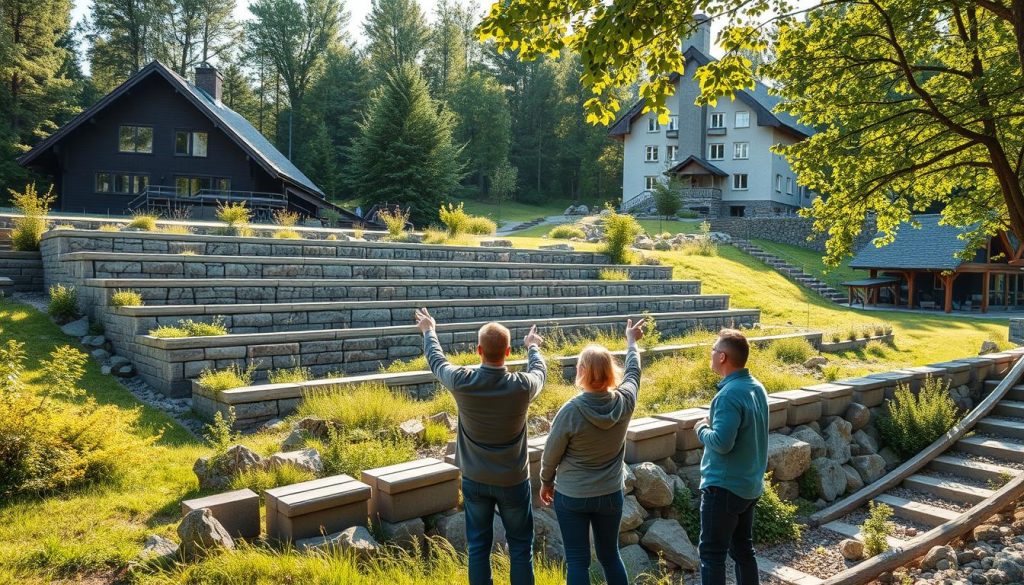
[454,218]
[688,511]
[126,298]
[109,227]
[358,232]
[437,434]
[29,227]
[190,328]
[566,231]
[774,519]
[835,337]
[262,479]
[702,245]
[620,230]
[666,198]
[371,408]
[221,432]
[293,375]
[143,221]
[350,454]
[52,436]
[433,235]
[287,235]
[791,350]
[283,217]
[230,377]
[237,216]
[394,220]
[831,372]
[63,305]
[176,229]
[876,528]
[876,349]
[481,226]
[910,423]
[808,483]
[609,274]
[332,237]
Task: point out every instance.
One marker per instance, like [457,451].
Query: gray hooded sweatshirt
[587,443]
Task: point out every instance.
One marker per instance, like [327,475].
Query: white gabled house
[720,154]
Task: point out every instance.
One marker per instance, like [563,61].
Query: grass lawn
[811,263]
[651,226]
[514,211]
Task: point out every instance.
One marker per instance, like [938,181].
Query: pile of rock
[665,242]
[577,210]
[99,349]
[216,472]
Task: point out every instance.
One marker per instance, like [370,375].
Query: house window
[104,183]
[652,124]
[121,183]
[673,122]
[651,153]
[739,182]
[778,183]
[717,120]
[135,139]
[716,151]
[190,186]
[789,185]
[743,119]
[650,182]
[737,210]
[672,151]
[190,143]
[740,150]
[140,184]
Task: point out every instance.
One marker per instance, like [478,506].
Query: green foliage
[220,433]
[234,214]
[831,372]
[703,245]
[480,226]
[191,328]
[350,453]
[688,509]
[286,235]
[454,218]
[396,32]
[808,483]
[610,274]
[285,218]
[437,434]
[504,181]
[484,125]
[373,409]
[876,349]
[126,298]
[404,152]
[143,221]
[912,422]
[261,479]
[774,519]
[29,227]
[230,377]
[52,438]
[620,230]
[791,350]
[666,198]
[109,227]
[566,231]
[292,375]
[876,528]
[63,306]
[394,221]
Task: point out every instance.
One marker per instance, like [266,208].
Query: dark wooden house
[921,267]
[158,142]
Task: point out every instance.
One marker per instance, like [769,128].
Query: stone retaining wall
[267,318]
[168,364]
[785,230]
[1017,331]
[25,269]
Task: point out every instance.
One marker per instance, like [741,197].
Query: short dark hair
[735,345]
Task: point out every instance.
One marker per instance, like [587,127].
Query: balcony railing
[688,195]
[164,197]
[704,193]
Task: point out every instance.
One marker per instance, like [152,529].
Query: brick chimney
[209,80]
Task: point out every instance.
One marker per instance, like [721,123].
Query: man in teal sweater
[735,439]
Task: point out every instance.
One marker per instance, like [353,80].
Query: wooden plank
[786,574]
[916,511]
[894,477]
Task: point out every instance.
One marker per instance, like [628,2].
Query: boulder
[939,553]
[295,440]
[76,328]
[870,467]
[637,562]
[788,490]
[356,540]
[496,243]
[853,479]
[633,514]
[629,537]
[158,549]
[216,473]
[99,354]
[199,532]
[317,428]
[892,460]
[986,532]
[653,488]
[443,418]
[788,457]
[643,243]
[663,245]
[837,447]
[668,465]
[408,534]
[690,476]
[413,429]
[812,438]
[851,549]
[667,537]
[858,415]
[117,361]
[815,362]
[124,371]
[628,479]
[304,459]
[867,444]
[830,480]
[988,347]
[547,536]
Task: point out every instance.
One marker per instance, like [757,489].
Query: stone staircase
[516,227]
[791,272]
[345,307]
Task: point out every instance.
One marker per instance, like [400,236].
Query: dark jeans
[576,518]
[726,526]
[514,507]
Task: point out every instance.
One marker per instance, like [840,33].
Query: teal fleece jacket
[736,442]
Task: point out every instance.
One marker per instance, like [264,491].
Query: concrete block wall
[25,269]
[1017,331]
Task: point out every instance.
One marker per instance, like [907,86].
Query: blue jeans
[514,507]
[726,526]
[576,517]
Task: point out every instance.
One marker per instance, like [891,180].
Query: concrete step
[185,291]
[916,511]
[1001,427]
[949,489]
[971,468]
[996,449]
[785,574]
[1015,393]
[1010,408]
[270,317]
[851,531]
[121,265]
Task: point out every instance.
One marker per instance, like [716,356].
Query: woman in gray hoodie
[581,469]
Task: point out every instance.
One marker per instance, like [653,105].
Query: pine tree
[444,60]
[484,124]
[125,36]
[404,152]
[237,92]
[397,33]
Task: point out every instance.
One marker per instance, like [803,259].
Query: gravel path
[901,528]
[816,553]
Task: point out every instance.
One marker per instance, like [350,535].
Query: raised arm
[446,373]
[630,386]
[536,369]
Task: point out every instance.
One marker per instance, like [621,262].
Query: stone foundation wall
[784,230]
[1017,331]
[25,269]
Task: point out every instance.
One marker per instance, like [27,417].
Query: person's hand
[704,422]
[547,494]
[424,321]
[533,338]
[634,332]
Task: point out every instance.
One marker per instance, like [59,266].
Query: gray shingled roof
[932,247]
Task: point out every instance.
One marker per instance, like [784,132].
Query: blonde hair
[494,340]
[596,369]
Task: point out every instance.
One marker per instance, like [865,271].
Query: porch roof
[695,161]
